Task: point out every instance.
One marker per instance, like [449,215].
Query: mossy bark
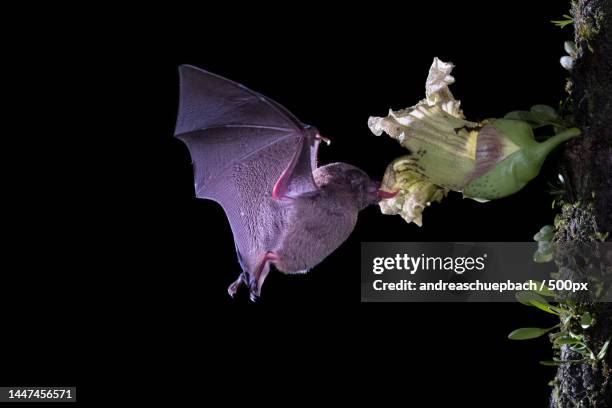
[588,166]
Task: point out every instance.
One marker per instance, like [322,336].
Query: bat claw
[255,280]
[233,288]
[254,291]
[323,139]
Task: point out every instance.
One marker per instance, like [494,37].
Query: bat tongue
[382,195]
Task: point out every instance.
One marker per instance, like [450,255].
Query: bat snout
[373,186]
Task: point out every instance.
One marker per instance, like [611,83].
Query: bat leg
[260,274]
[243,278]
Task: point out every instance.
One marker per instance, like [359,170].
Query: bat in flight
[259,162]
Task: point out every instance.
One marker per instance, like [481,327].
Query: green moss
[587,27]
[577,222]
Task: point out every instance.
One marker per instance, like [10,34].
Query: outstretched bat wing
[244,148]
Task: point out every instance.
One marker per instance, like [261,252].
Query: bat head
[354,181]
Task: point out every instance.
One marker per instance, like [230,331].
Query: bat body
[259,162]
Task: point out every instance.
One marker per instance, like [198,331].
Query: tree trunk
[588,166]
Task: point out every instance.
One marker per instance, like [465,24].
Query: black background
[125,277]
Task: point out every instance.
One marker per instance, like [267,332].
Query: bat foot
[233,288]
[259,277]
[243,279]
[254,290]
[254,281]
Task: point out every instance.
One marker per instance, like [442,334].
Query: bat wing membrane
[241,143]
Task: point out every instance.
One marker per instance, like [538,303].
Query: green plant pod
[508,157]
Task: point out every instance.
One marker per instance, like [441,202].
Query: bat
[259,162]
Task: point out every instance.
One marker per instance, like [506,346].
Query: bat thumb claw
[323,139]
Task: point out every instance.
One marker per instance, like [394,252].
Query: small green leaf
[519,115]
[544,253]
[525,297]
[579,348]
[602,352]
[542,289]
[524,116]
[562,23]
[586,320]
[559,334]
[566,340]
[576,335]
[542,119]
[545,234]
[545,110]
[545,247]
[546,307]
[540,257]
[559,362]
[529,298]
[527,333]
[536,119]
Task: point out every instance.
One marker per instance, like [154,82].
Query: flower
[415,193]
[483,160]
